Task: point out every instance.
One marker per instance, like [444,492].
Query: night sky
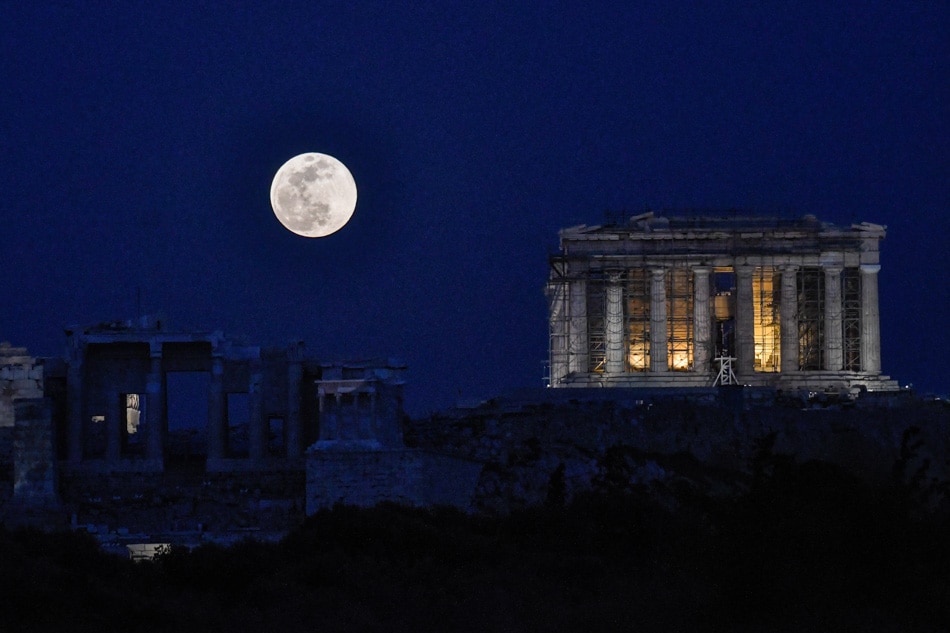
[138,143]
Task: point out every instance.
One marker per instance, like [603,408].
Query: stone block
[25,388]
[34,460]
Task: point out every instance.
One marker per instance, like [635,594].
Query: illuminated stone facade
[672,301]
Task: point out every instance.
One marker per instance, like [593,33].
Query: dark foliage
[808,548]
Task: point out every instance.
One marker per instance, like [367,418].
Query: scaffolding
[679,318]
[851,318]
[637,317]
[596,323]
[725,375]
[811,322]
[559,341]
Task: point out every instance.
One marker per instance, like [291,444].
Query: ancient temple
[717,299]
[169,432]
[138,396]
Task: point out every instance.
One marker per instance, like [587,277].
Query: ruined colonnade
[105,369]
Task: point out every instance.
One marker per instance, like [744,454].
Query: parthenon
[720,298]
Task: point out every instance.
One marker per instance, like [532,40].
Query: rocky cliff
[545,446]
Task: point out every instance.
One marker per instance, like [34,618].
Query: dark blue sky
[138,142]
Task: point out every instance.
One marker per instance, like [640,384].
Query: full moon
[313,195]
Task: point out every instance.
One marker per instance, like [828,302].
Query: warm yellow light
[680,361]
[766,333]
[722,306]
[679,324]
[638,356]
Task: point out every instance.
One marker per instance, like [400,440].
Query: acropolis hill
[685,348]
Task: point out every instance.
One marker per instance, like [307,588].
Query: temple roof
[726,221]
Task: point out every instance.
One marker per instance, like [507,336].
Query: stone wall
[35,475]
[20,377]
[364,476]
[179,501]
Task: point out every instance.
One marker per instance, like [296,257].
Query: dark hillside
[808,547]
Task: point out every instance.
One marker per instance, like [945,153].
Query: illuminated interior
[133,413]
[765,311]
[766,286]
[679,315]
[724,312]
[637,295]
[133,440]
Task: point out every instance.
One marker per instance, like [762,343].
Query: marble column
[833,351]
[614,325]
[870,320]
[217,431]
[658,343]
[702,321]
[74,400]
[579,359]
[789,319]
[293,429]
[155,403]
[257,434]
[745,322]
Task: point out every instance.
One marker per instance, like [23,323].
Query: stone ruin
[701,300]
[26,434]
[145,430]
